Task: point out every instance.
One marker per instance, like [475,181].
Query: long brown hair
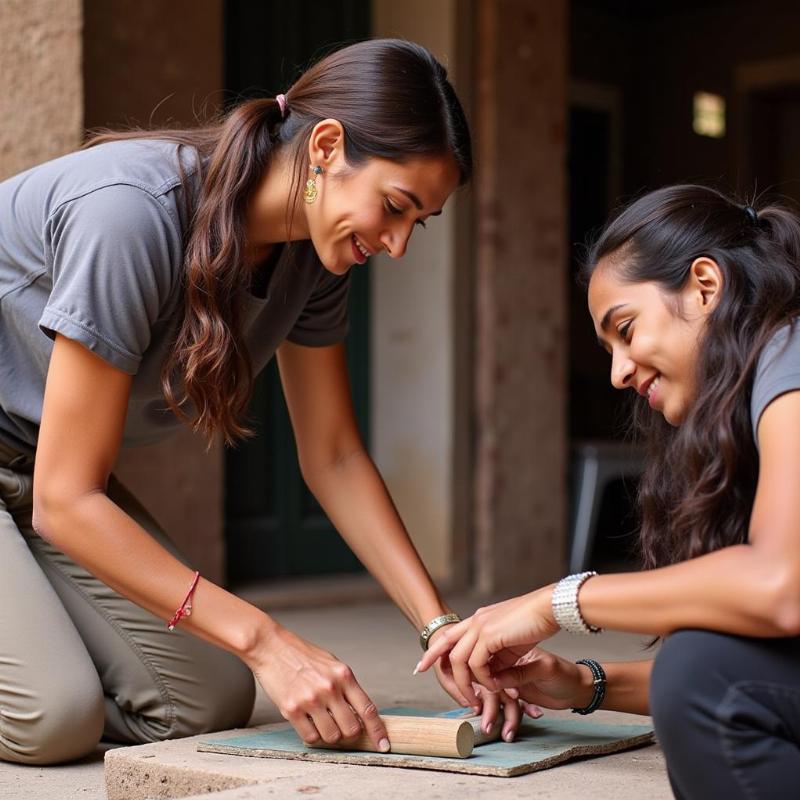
[697,492]
[393,100]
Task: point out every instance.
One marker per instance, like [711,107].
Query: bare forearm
[552,681]
[627,686]
[737,590]
[100,536]
[358,503]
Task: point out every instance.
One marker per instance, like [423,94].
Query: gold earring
[310,192]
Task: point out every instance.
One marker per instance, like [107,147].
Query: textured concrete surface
[166,770]
[382,649]
[41,90]
[83,779]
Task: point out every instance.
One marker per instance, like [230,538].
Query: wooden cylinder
[418,736]
[494,733]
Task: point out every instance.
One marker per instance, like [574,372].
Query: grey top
[91,247]
[777,372]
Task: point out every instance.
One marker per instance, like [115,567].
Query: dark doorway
[596,410]
[773,134]
[274,526]
[593,404]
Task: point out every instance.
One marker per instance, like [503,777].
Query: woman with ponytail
[144,281]
[696,297]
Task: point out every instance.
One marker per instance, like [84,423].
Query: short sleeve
[323,320]
[115,255]
[777,372]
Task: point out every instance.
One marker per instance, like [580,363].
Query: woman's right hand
[492,639]
[542,679]
[318,694]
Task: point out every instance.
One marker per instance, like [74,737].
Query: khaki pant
[78,661]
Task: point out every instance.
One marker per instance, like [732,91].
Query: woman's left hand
[490,640]
[512,709]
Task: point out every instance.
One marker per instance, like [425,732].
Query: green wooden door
[274,527]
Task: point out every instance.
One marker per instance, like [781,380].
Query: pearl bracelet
[566,611]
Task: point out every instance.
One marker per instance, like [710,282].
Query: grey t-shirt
[777,371]
[91,247]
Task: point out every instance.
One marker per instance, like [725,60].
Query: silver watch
[566,610]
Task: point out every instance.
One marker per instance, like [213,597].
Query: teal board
[539,744]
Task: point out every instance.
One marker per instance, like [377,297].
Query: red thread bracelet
[185,608]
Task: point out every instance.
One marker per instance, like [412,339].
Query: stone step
[175,769]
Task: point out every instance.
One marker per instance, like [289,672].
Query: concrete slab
[168,769]
[380,647]
[82,779]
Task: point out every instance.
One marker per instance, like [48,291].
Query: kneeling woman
[696,298]
[147,279]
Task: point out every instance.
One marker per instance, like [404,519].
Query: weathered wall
[41,94]
[521,351]
[148,62]
[419,420]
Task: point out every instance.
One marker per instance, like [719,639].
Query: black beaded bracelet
[599,675]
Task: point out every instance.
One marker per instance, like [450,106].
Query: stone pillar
[520,293]
[41,89]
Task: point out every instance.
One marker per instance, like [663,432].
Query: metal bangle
[599,675]
[564,602]
[434,625]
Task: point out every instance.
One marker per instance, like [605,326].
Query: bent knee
[220,699]
[230,704]
[687,677]
[56,729]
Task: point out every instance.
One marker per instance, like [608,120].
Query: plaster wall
[418,413]
[150,63]
[41,89]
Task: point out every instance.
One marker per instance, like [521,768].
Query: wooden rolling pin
[425,736]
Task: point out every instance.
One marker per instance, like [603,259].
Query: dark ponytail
[698,490]
[214,368]
[393,100]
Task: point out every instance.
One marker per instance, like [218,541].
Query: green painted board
[539,744]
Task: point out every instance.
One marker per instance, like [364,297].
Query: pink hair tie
[281,98]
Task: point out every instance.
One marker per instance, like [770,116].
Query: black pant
[727,715]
